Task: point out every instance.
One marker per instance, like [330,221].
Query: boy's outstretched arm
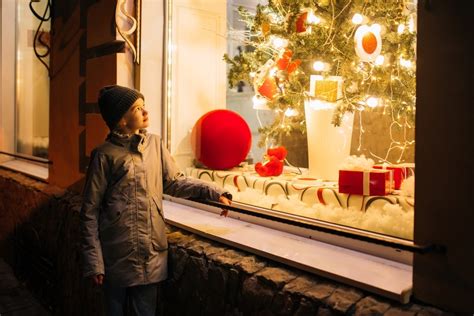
[176,184]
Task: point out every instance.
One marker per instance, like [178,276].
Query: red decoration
[274,164]
[221,139]
[268,89]
[279,152]
[369,42]
[369,182]
[273,167]
[301,22]
[285,63]
[400,172]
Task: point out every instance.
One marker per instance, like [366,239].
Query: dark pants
[142,299]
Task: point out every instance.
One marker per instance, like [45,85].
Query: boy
[124,239]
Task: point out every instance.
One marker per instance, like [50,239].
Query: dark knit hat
[114,102]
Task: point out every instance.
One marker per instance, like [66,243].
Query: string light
[372,102]
[319,66]
[278,42]
[313,19]
[291,112]
[401,28]
[405,63]
[376,28]
[357,18]
[379,60]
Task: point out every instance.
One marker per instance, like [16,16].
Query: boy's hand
[98,279]
[225,201]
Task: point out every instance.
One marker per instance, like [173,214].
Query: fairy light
[401,28]
[259,102]
[376,28]
[379,60]
[318,66]
[372,102]
[405,63]
[313,19]
[252,74]
[273,72]
[278,42]
[290,112]
[357,19]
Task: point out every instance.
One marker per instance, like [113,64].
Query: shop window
[25,85]
[303,109]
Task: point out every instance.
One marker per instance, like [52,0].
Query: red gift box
[366,182]
[400,172]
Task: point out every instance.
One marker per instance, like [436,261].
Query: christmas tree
[369,45]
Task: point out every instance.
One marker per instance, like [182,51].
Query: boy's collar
[130,141]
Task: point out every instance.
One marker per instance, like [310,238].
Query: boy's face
[135,119]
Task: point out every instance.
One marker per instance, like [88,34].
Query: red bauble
[221,139]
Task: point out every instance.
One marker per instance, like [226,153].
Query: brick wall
[39,235]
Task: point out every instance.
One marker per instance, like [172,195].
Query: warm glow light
[318,65]
[273,72]
[357,18]
[259,103]
[291,112]
[401,28]
[252,74]
[405,63]
[372,102]
[379,60]
[376,28]
[279,42]
[313,19]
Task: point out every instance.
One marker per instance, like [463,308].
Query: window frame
[35,167]
[385,244]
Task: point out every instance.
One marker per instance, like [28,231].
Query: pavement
[15,299]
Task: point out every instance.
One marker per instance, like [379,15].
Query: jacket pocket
[158,230]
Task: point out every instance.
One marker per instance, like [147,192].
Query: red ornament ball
[221,139]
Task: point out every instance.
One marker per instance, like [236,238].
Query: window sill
[34,170]
[377,275]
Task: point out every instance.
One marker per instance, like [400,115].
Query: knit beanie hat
[114,102]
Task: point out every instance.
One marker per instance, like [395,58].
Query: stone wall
[40,238]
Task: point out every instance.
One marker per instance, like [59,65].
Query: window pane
[327,91]
[32,79]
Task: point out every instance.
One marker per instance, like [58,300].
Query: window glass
[32,77]
[301,107]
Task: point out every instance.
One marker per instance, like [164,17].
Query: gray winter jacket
[122,215]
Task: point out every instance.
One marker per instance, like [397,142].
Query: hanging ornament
[264,80]
[301,22]
[268,88]
[285,62]
[368,42]
[265,28]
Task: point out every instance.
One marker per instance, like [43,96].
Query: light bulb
[272,72]
[379,60]
[279,42]
[290,112]
[318,65]
[372,102]
[376,28]
[313,19]
[401,28]
[357,18]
